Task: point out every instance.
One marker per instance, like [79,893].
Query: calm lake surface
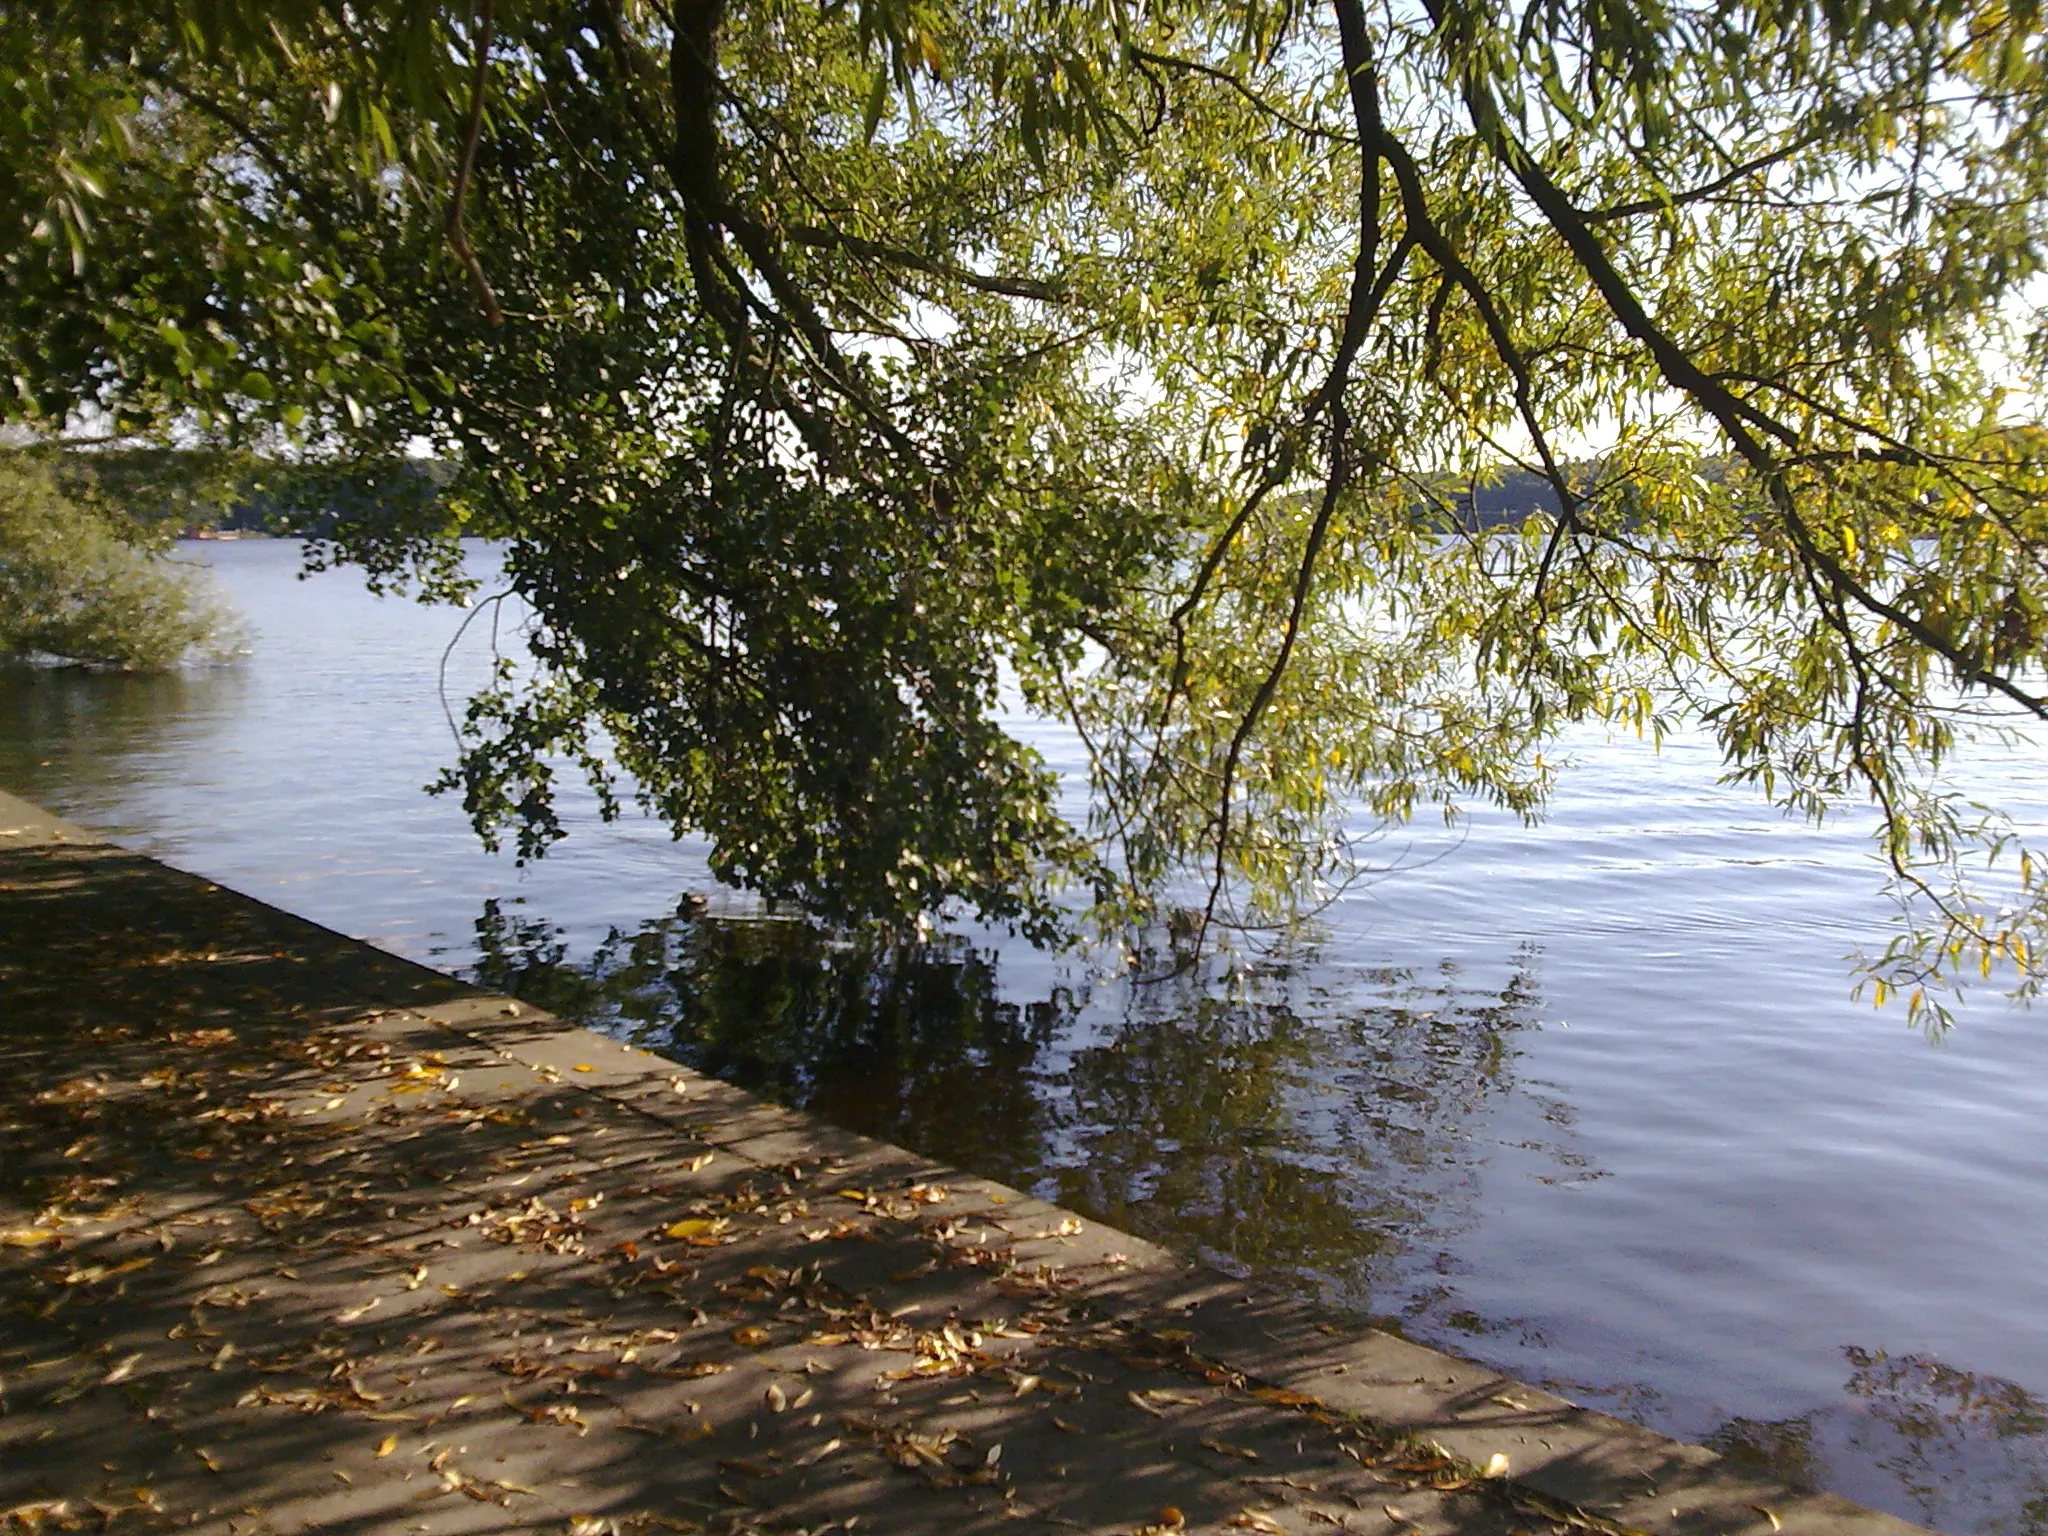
[1589,1103]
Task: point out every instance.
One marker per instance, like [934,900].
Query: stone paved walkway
[297,1236]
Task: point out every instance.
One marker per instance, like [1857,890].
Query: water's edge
[1613,1469]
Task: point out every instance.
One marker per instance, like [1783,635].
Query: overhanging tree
[825,361]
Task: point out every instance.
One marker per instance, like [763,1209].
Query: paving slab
[300,1236]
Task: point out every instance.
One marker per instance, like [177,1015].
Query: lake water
[1590,1103]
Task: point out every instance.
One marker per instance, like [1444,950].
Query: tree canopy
[831,365]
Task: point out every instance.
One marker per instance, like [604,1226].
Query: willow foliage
[826,362]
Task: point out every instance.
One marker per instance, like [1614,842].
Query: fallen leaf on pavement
[122,1370]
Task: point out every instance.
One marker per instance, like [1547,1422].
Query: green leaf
[877,102]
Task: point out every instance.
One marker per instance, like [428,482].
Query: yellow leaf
[751,1335]
[1496,1465]
[583,1066]
[691,1226]
[1286,1397]
[387,1445]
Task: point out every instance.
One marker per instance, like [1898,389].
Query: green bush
[81,584]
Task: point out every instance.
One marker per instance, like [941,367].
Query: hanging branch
[458,240]
[1370,283]
[1758,438]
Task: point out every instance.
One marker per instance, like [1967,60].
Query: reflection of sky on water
[1724,1199]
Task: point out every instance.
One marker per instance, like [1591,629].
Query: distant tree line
[313,500]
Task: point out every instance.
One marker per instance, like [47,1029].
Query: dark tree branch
[1427,233]
[458,239]
[1225,77]
[1701,193]
[1368,288]
[1011,287]
[1751,431]
[255,142]
[694,165]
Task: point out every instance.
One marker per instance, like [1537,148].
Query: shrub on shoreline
[79,584]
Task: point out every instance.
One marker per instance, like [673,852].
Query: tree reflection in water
[1968,1451]
[909,1043]
[1277,1130]
[76,741]
[1249,1117]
